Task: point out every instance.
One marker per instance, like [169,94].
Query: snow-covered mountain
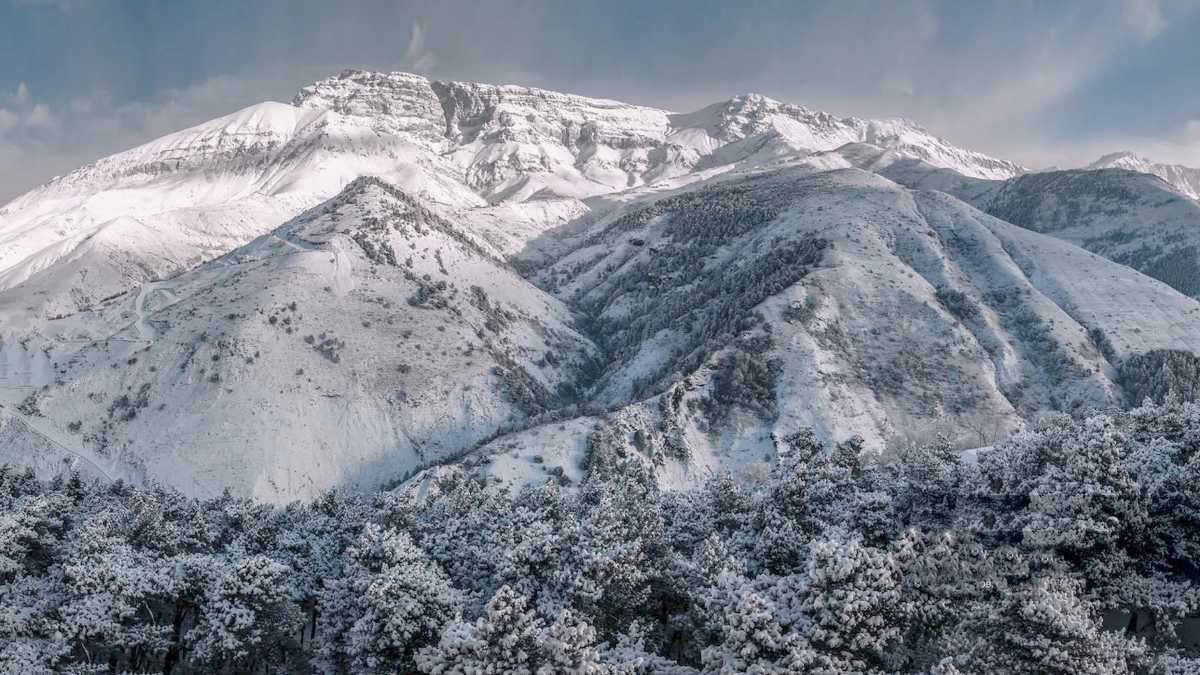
[166,206]
[1185,179]
[516,142]
[1133,218]
[159,209]
[392,273]
[359,340]
[741,310]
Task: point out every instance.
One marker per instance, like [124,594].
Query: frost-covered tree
[753,638]
[246,616]
[391,601]
[933,477]
[1070,490]
[1045,627]
[511,637]
[835,561]
[849,604]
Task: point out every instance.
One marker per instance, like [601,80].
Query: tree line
[1071,547]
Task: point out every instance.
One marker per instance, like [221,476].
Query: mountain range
[392,278]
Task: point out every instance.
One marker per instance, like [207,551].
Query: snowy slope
[349,346]
[1131,218]
[164,207]
[1185,179]
[920,316]
[394,272]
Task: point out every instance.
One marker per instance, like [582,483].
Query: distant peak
[1120,156]
[752,97]
[899,122]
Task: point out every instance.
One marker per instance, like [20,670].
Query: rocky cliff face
[513,142]
[396,102]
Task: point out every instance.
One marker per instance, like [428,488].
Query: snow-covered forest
[1073,547]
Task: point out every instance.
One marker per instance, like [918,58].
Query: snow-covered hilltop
[357,341]
[741,309]
[1182,178]
[1132,218]
[392,273]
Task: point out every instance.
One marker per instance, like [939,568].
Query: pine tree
[752,638]
[849,604]
[504,640]
[1046,628]
[246,615]
[391,601]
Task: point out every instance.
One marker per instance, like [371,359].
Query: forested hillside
[1073,547]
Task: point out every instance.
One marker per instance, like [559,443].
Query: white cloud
[8,120]
[417,57]
[1179,146]
[1182,147]
[1191,131]
[40,117]
[22,95]
[1145,18]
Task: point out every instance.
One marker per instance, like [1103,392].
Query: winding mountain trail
[54,437]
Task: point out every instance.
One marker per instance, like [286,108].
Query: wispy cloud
[1145,17]
[38,140]
[417,57]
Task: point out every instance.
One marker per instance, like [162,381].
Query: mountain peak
[1184,179]
[752,98]
[1112,158]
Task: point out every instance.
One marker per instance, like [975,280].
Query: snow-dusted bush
[957,303]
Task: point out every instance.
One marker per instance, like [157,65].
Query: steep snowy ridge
[514,142]
[745,308]
[361,340]
[1185,179]
[1133,218]
[173,203]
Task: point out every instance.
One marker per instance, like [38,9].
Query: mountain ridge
[219,184]
[1183,178]
[398,273]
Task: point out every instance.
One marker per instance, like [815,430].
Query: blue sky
[1057,82]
